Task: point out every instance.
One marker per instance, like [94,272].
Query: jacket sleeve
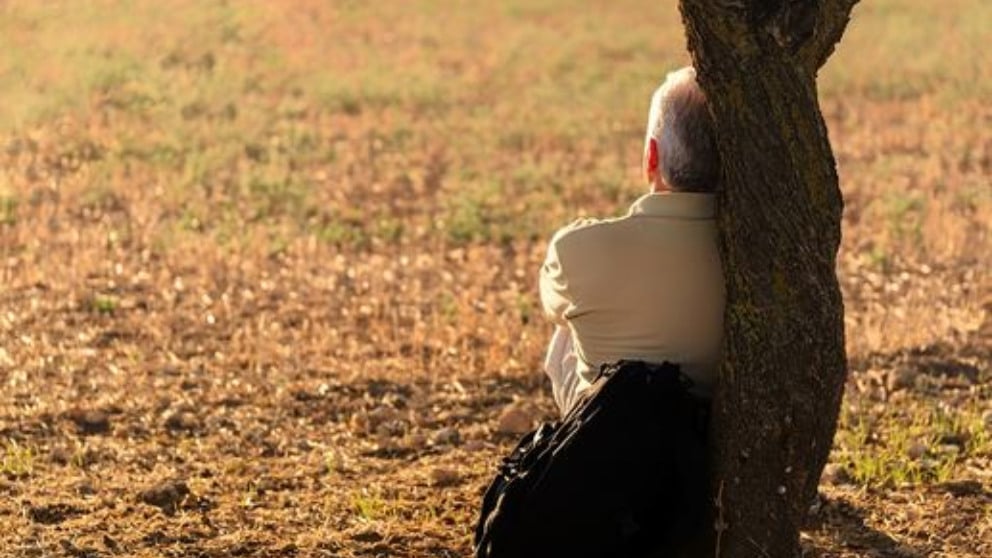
[560,364]
[555,296]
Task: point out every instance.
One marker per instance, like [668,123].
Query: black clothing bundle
[623,475]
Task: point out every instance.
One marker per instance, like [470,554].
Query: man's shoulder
[584,232]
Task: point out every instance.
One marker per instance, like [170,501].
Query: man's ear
[651,160]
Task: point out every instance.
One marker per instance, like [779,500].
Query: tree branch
[832,21]
[806,29]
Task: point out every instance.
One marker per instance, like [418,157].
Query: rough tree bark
[784,367]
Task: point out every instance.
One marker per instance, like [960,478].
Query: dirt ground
[153,429]
[262,295]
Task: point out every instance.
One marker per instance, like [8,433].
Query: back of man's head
[680,144]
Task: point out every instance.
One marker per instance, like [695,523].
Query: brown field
[267,270]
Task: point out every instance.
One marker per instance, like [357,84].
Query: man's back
[647,286]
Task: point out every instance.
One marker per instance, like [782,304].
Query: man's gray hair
[680,122]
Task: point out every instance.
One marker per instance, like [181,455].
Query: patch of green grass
[104,303]
[61,56]
[17,460]
[159,154]
[82,456]
[972,197]
[372,91]
[907,445]
[879,259]
[369,506]
[492,212]
[250,496]
[8,209]
[341,233]
[388,229]
[905,214]
[967,425]
[190,221]
[100,197]
[273,197]
[278,244]
[447,306]
[467,219]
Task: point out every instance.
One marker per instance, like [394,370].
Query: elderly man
[647,286]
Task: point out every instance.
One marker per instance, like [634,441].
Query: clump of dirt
[166,496]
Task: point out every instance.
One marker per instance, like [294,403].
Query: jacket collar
[679,205]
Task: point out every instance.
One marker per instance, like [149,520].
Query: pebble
[60,456]
[367,536]
[370,421]
[949,449]
[182,421]
[516,418]
[165,496]
[416,441]
[8,488]
[85,488]
[51,514]
[474,445]
[476,432]
[958,439]
[382,414]
[388,444]
[836,474]
[442,476]
[900,378]
[963,488]
[392,428]
[90,422]
[111,544]
[916,450]
[446,437]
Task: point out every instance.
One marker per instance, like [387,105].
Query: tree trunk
[784,367]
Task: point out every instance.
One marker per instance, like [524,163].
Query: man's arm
[559,365]
[555,296]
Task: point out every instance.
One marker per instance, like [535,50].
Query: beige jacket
[646,286]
